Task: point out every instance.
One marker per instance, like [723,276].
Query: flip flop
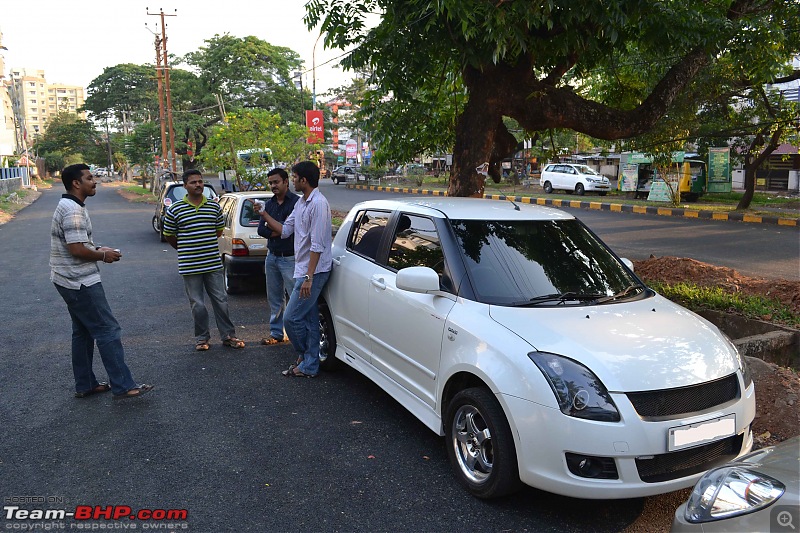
[294,372]
[97,389]
[233,342]
[137,392]
[272,341]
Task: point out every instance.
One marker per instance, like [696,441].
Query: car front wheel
[579,190]
[548,187]
[480,444]
[327,339]
[156,225]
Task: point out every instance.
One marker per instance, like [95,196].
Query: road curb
[604,206]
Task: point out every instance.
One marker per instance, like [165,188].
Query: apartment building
[35,101]
[7,130]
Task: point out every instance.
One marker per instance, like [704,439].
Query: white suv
[571,177]
[517,334]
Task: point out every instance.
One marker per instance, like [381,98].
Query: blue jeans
[279,282]
[93,322]
[213,284]
[302,323]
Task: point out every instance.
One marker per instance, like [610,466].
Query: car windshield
[179,191]
[540,262]
[583,169]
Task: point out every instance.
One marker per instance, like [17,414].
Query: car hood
[648,344]
[780,461]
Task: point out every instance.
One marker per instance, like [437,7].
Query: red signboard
[316,127]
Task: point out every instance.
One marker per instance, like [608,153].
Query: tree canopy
[610,70]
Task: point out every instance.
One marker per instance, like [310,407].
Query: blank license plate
[702,432]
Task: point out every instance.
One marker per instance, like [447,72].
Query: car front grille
[674,465]
[671,402]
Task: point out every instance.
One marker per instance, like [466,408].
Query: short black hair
[280,172]
[308,170]
[190,172]
[72,173]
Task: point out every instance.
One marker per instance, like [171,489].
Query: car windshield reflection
[510,262]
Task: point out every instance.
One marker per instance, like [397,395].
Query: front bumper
[546,435]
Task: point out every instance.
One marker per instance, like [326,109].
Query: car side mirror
[418,279]
[627,262]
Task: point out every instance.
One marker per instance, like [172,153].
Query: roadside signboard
[719,169]
[351,147]
[316,127]
[630,177]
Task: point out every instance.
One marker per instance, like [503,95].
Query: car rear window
[248,216]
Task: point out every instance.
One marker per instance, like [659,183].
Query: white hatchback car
[517,334]
[573,178]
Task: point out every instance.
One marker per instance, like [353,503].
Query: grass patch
[8,206]
[698,298]
[137,193]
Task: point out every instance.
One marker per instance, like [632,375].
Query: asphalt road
[223,436]
[762,250]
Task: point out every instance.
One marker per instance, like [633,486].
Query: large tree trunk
[754,163]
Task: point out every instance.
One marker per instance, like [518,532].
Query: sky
[105,33]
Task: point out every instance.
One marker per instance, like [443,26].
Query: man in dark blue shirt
[279,265]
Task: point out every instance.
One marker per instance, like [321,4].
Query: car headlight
[730,491]
[744,366]
[590,180]
[578,391]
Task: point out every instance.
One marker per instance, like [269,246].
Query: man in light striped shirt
[192,226]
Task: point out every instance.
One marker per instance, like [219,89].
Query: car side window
[416,243]
[367,232]
[227,210]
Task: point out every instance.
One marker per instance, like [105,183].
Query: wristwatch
[307,277]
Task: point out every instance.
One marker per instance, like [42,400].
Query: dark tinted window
[515,261]
[368,230]
[248,216]
[416,243]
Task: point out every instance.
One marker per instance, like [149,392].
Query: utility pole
[159,77]
[164,65]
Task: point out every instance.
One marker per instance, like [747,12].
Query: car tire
[488,469]
[156,225]
[327,339]
[579,190]
[548,187]
[161,233]
[335,180]
[231,283]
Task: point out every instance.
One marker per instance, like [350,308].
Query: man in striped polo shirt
[192,227]
[74,271]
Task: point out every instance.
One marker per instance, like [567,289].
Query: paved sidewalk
[607,206]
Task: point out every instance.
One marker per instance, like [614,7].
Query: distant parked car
[573,178]
[346,173]
[169,193]
[243,250]
[513,331]
[101,172]
[756,492]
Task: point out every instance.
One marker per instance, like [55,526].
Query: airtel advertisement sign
[316,127]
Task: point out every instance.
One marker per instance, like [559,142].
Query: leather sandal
[201,346]
[97,389]
[233,342]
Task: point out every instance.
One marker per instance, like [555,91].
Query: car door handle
[378,283]
[338,260]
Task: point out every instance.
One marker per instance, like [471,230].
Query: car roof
[248,194]
[468,208]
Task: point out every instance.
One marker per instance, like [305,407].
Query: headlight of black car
[578,391]
[730,491]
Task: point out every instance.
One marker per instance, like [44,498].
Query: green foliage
[254,129]
[444,75]
[697,298]
[139,148]
[69,139]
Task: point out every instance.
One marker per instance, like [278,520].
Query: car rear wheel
[327,339]
[548,187]
[579,190]
[480,444]
[231,283]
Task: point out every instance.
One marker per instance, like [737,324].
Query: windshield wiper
[558,297]
[621,294]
